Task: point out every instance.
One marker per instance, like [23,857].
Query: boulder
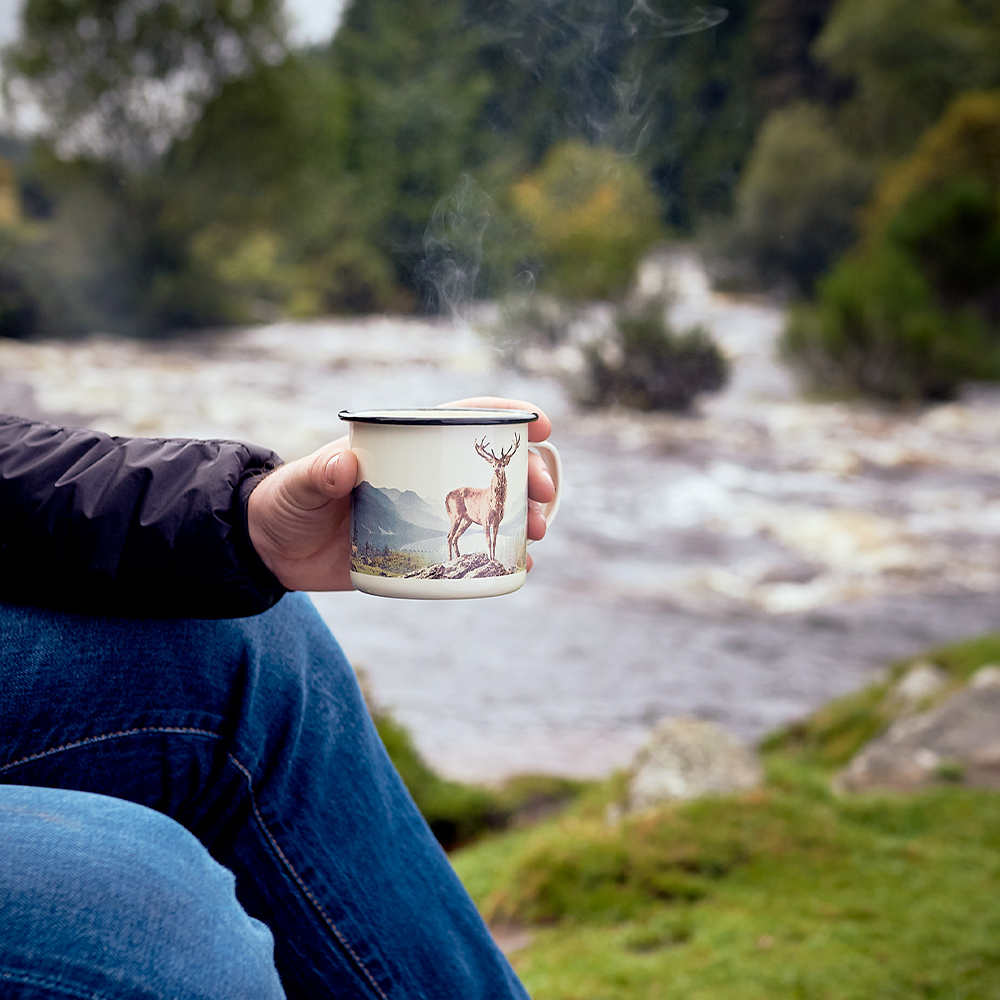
[689,758]
[957,741]
[921,683]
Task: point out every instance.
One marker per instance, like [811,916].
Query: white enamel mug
[440,506]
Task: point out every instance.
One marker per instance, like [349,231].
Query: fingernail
[548,478]
[332,468]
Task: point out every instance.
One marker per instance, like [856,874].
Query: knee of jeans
[103,895]
[298,661]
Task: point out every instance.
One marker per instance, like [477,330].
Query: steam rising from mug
[453,247]
[607,108]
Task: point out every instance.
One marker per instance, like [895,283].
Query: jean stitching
[46,982]
[309,894]
[189,731]
[104,737]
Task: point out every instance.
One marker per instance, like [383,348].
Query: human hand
[299,517]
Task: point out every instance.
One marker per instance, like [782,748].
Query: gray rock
[958,741]
[922,682]
[985,677]
[689,758]
[472,566]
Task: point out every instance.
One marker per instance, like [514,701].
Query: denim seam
[309,894]
[189,731]
[90,740]
[47,983]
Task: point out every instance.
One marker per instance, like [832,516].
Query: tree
[907,61]
[915,310]
[119,79]
[798,199]
[594,215]
[413,96]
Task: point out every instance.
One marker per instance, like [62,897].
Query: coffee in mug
[440,506]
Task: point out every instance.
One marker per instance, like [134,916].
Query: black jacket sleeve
[138,527]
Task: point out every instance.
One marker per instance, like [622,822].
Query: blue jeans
[252,735]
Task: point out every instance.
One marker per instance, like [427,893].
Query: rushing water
[743,564]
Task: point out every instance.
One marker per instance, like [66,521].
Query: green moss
[831,736]
[459,813]
[788,892]
[799,894]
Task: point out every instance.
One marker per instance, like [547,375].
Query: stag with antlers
[468,505]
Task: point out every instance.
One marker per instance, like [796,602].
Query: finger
[538,430]
[540,485]
[329,473]
[531,562]
[536,521]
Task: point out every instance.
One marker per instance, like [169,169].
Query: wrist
[257,555]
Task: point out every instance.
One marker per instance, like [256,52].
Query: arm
[173,528]
[129,526]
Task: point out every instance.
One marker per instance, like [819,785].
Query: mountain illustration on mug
[400,533]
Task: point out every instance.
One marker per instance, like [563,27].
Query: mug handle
[554,464]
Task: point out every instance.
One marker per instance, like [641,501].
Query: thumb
[333,470]
[326,474]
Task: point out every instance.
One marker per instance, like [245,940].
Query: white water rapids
[743,564]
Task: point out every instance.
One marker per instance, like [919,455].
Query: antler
[491,457]
[504,455]
[483,453]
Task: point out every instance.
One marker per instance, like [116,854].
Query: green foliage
[878,329]
[593,216]
[787,70]
[798,199]
[907,62]
[259,191]
[388,562]
[953,233]
[121,79]
[413,95]
[964,145]
[916,310]
[31,303]
[228,180]
[694,106]
[649,366]
[582,870]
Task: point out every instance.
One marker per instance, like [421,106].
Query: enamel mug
[440,506]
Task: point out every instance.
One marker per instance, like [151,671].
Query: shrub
[878,329]
[915,310]
[646,365]
[953,232]
[593,214]
[35,301]
[798,200]
[964,144]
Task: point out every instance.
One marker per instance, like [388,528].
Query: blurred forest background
[190,167]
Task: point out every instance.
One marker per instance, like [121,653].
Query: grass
[789,891]
[459,813]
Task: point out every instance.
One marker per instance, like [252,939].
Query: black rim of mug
[438,416]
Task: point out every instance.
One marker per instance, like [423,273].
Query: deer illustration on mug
[469,505]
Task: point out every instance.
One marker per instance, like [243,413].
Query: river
[742,564]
